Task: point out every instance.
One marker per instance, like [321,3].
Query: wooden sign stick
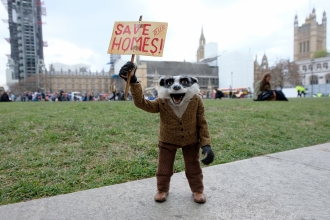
[131,73]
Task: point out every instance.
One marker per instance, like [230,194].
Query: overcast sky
[79,31]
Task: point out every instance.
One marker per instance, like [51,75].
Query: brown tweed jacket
[190,128]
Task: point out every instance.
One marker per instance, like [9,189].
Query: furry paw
[126,69]
[208,153]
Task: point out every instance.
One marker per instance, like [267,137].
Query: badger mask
[178,89]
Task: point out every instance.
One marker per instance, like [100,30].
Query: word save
[142,38]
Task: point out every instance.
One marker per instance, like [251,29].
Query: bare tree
[293,76]
[285,74]
[17,88]
[276,72]
[37,82]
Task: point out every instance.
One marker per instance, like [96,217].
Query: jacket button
[181,129]
[182,136]
[180,123]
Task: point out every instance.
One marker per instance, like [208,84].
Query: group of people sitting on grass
[59,96]
[262,92]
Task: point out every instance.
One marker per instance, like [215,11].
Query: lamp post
[275,80]
[312,60]
[231,86]
[51,84]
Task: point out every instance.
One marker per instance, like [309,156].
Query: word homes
[141,38]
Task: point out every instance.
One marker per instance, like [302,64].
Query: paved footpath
[288,185]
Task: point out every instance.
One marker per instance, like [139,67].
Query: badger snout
[176,87]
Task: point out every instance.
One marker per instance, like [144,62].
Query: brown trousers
[166,157]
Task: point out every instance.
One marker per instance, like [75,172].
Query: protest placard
[139,37]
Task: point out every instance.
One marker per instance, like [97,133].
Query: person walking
[113,90]
[299,94]
[303,92]
[299,91]
[230,92]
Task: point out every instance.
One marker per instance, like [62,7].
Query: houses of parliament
[308,38]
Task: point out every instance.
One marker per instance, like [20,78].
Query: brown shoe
[199,197]
[161,196]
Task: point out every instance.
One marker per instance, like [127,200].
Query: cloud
[62,51]
[4,46]
[5,49]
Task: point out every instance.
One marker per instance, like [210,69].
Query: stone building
[200,52]
[309,37]
[315,74]
[260,69]
[79,79]
[149,73]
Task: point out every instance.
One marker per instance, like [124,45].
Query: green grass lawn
[51,148]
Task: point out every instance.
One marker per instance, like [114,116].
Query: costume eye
[184,81]
[169,82]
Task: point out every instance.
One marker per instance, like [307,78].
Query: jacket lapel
[168,108]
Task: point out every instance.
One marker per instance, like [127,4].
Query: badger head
[178,88]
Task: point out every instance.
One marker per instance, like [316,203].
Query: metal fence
[319,88]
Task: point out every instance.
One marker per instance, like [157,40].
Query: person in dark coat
[30,97]
[4,97]
[43,95]
[61,97]
[219,94]
[90,97]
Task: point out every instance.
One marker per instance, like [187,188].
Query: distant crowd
[59,97]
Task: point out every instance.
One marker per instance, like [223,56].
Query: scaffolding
[5,3]
[26,41]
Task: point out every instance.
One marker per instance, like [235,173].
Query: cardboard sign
[139,37]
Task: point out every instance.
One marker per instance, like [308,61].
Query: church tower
[264,63]
[260,69]
[309,37]
[200,51]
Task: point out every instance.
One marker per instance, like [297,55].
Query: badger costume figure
[182,125]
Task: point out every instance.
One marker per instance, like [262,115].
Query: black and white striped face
[178,88]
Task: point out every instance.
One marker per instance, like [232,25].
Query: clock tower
[200,51]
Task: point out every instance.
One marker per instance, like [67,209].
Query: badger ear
[162,81]
[194,80]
